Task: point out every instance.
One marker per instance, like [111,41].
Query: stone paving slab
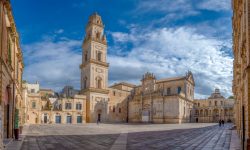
[128,136]
[17,144]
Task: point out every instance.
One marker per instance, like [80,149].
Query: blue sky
[166,37]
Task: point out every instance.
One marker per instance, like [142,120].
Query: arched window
[184,111]
[86,57]
[179,90]
[197,112]
[89,35]
[206,112]
[168,91]
[85,83]
[99,82]
[98,35]
[99,56]
[215,103]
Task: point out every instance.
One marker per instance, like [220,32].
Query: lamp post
[152,113]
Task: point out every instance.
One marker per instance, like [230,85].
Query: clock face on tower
[98,47]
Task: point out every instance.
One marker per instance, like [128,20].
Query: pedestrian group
[221,122]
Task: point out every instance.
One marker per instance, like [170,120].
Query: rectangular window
[114,93]
[17,71]
[99,56]
[78,106]
[113,108]
[67,105]
[120,110]
[9,51]
[79,119]
[179,90]
[58,119]
[32,90]
[168,91]
[184,111]
[69,119]
[33,104]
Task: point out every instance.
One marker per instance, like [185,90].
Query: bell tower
[94,70]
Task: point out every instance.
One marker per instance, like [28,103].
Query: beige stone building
[44,107]
[167,100]
[241,80]
[213,109]
[11,69]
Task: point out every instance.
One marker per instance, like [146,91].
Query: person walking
[222,123]
[97,121]
[219,123]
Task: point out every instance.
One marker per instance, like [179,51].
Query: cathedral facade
[167,100]
[161,101]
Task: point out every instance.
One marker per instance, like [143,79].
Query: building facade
[213,109]
[241,79]
[111,104]
[11,69]
[45,107]
[162,101]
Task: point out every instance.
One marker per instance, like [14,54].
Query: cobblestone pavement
[128,136]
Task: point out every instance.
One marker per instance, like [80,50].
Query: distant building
[69,91]
[47,93]
[46,107]
[213,109]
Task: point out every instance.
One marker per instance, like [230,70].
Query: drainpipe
[8,110]
[13,110]
[243,128]
[127,109]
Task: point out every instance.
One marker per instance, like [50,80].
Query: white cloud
[167,52]
[215,5]
[120,37]
[53,64]
[164,5]
[172,9]
[171,52]
[184,7]
[59,31]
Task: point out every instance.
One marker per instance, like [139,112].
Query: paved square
[128,136]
